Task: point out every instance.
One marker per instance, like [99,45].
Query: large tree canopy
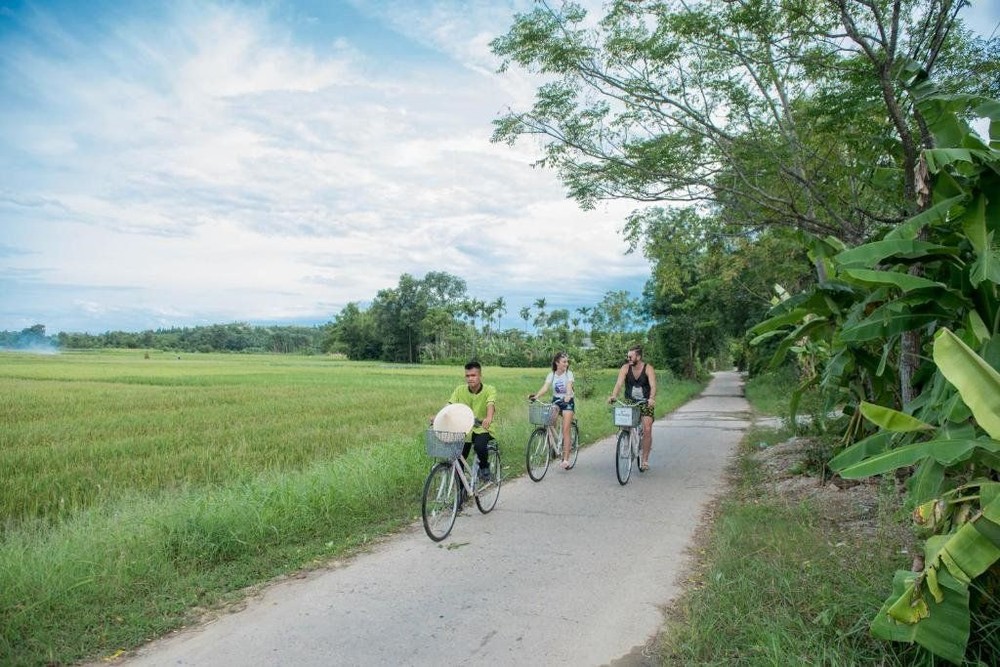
[789,113]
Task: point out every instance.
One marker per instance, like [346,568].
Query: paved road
[574,570]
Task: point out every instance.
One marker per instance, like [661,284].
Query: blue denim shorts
[569,405]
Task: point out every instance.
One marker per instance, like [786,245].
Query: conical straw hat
[454,418]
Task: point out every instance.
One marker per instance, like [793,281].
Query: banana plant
[933,606]
[870,300]
[949,434]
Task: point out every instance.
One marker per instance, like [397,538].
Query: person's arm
[651,374]
[569,384]
[618,384]
[540,392]
[491,401]
[490,411]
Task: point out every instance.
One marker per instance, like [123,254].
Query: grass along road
[138,492]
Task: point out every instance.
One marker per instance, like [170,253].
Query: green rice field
[138,489]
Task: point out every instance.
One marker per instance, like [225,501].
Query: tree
[617,312]
[525,314]
[540,314]
[500,308]
[353,333]
[792,114]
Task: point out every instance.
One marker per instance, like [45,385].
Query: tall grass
[137,491]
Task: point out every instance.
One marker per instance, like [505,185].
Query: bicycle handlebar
[635,401]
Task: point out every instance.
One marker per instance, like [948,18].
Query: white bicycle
[628,419]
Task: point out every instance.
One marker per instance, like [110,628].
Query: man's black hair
[473,364]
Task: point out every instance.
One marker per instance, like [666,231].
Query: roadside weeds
[781,568]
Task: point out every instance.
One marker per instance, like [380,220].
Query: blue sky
[181,163]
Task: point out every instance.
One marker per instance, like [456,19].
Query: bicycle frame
[554,430]
[465,473]
[634,436]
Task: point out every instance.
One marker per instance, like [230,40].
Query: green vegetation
[779,580]
[139,491]
[848,182]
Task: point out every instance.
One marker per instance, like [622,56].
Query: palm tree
[585,314]
[500,308]
[488,310]
[540,316]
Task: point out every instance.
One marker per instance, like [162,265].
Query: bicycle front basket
[444,444]
[627,416]
[540,413]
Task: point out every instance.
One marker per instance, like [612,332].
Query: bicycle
[452,476]
[628,419]
[546,441]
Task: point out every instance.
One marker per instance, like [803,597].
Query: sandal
[564,464]
[643,467]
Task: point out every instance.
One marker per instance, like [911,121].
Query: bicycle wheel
[574,446]
[623,457]
[487,493]
[440,502]
[537,455]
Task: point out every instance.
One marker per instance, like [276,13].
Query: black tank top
[637,387]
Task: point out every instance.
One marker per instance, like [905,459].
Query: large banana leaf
[778,322]
[904,281]
[861,450]
[892,420]
[969,551]
[937,213]
[976,381]
[945,452]
[937,158]
[932,607]
[944,628]
[883,323]
[927,481]
[876,252]
[987,263]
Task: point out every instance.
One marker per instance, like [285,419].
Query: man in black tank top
[639,380]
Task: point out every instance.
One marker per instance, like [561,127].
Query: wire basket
[444,444]
[627,416]
[540,413]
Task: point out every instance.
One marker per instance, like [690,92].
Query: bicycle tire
[488,493]
[623,457]
[574,447]
[537,455]
[439,505]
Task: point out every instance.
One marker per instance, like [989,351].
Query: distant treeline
[235,337]
[434,320]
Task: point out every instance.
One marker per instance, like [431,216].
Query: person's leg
[461,489]
[647,439]
[556,416]
[481,442]
[567,416]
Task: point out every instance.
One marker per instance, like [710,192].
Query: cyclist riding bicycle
[561,380]
[639,380]
[482,399]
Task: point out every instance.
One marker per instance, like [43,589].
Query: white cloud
[207,165]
